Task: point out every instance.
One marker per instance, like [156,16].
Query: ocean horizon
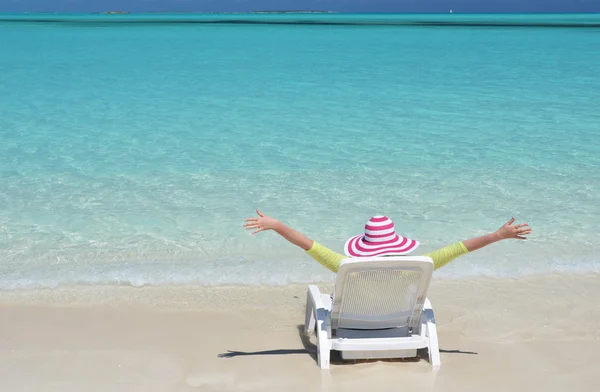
[133,146]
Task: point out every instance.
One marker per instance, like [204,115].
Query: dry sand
[539,333]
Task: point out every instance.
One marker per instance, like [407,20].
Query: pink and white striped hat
[379,239]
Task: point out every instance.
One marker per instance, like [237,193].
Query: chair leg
[309,319]
[324,354]
[323,342]
[434,348]
[317,318]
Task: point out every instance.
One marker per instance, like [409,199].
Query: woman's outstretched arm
[443,256]
[508,230]
[264,222]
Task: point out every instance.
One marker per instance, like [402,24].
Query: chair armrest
[317,314]
[428,311]
[314,296]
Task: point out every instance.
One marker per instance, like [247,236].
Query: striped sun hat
[379,239]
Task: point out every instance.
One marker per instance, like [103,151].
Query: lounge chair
[379,309]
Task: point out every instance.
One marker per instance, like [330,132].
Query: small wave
[254,274]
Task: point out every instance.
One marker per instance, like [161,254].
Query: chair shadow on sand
[311,349]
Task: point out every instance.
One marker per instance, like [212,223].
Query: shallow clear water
[132,152]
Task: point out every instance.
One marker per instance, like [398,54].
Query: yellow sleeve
[326,257]
[443,256]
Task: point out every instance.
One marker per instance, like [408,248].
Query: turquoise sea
[132,147]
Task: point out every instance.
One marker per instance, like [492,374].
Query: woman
[380,239]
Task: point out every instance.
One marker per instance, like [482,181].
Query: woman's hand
[261,223]
[514,231]
[508,230]
[264,222]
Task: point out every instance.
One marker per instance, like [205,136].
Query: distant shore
[219,13]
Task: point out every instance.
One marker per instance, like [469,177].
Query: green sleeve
[443,256]
[326,257]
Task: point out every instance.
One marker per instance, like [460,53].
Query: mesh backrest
[380,292]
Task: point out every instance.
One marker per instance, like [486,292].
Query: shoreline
[198,296]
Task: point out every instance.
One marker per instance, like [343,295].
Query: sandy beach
[536,333]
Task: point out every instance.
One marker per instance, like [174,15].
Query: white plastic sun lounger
[379,310]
